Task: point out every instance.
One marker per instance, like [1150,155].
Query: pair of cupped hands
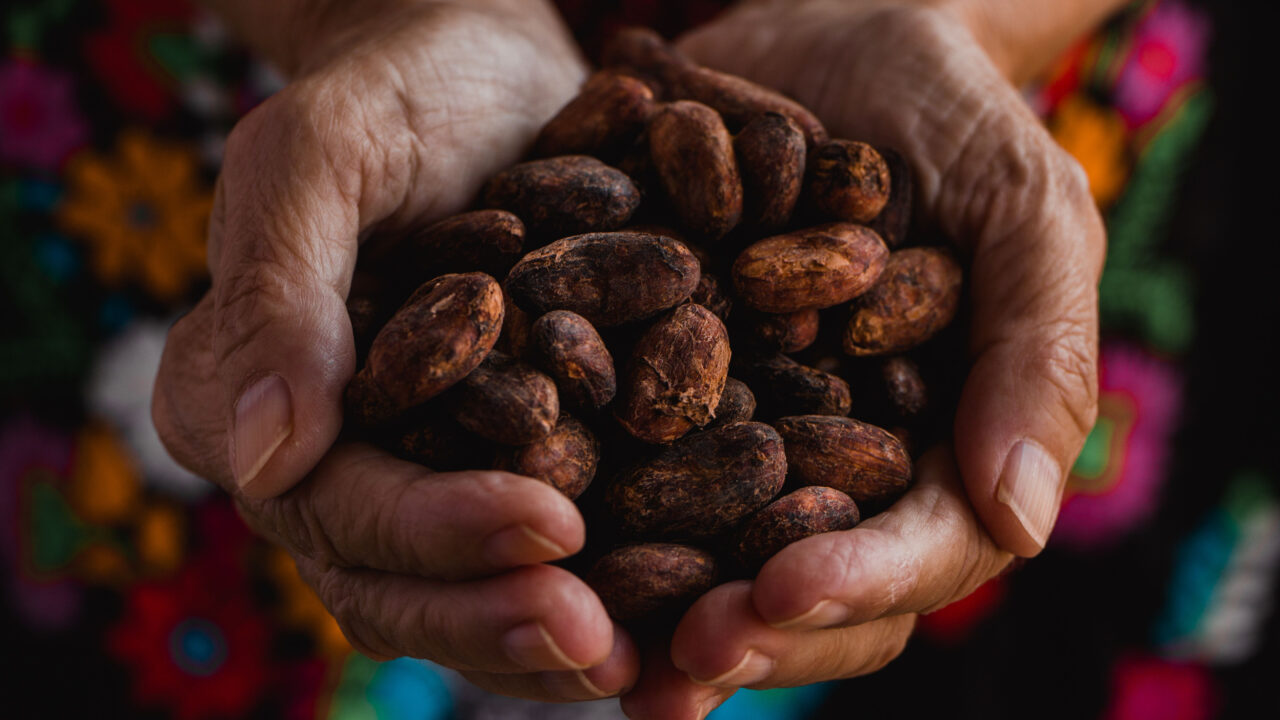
[395,117]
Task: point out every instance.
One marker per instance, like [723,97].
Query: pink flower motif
[1116,483]
[1167,53]
[1149,687]
[39,122]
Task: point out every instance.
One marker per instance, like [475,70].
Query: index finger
[924,552]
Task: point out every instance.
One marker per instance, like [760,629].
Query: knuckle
[342,597]
[1067,363]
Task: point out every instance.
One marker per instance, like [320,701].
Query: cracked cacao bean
[675,375]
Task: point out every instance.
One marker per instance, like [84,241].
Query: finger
[991,176]
[364,508]
[531,619]
[610,678]
[723,642]
[665,693]
[926,551]
[445,525]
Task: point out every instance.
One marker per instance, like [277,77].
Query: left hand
[918,76]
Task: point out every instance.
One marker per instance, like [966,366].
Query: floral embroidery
[39,122]
[143,213]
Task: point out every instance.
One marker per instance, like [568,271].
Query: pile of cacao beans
[660,314]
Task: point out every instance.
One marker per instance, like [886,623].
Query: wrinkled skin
[382,131]
[370,138]
[843,604]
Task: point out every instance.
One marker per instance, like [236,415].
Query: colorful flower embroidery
[1096,137]
[39,122]
[1166,54]
[143,213]
[1116,482]
[193,644]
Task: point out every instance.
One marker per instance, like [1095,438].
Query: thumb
[283,241]
[1030,399]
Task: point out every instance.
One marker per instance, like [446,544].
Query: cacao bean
[848,181]
[700,485]
[566,459]
[804,513]
[608,278]
[441,333]
[639,581]
[863,461]
[606,116]
[692,152]
[675,376]
[567,347]
[894,221]
[809,269]
[771,159]
[565,195]
[507,401]
[783,387]
[737,403]
[915,297]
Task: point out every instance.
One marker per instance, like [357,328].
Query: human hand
[398,116]
[917,77]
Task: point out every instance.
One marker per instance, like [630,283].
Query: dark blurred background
[131,589]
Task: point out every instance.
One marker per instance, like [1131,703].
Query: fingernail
[823,615]
[753,668]
[264,418]
[521,545]
[531,645]
[574,685]
[1030,485]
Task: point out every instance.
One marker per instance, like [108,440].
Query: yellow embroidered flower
[1096,137]
[143,214]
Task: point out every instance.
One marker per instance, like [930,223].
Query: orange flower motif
[143,213]
[1096,137]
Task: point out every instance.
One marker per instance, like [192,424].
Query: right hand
[397,119]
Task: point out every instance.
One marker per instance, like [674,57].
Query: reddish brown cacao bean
[608,278]
[915,297]
[737,403]
[441,333]
[570,349]
[786,332]
[804,513]
[638,581]
[564,195]
[894,221]
[771,159]
[783,386]
[848,181]
[700,485]
[507,401]
[675,376]
[809,269]
[566,459]
[488,241]
[863,461]
[692,152]
[606,116]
